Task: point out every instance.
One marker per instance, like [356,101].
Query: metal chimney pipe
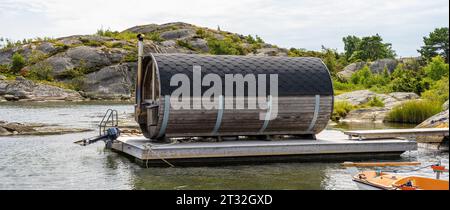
[139,73]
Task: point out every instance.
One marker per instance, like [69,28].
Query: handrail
[111,115]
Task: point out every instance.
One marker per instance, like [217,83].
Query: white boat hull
[362,186]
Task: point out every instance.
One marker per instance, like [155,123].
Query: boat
[378,180]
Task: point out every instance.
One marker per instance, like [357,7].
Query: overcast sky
[289,23]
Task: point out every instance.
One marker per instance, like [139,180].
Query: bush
[375,102]
[155,37]
[437,68]
[361,76]
[202,33]
[184,44]
[132,56]
[415,111]
[342,87]
[404,80]
[341,109]
[91,42]
[438,92]
[18,62]
[227,46]
[36,56]
[41,71]
[4,69]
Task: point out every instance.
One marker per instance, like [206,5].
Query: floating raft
[329,145]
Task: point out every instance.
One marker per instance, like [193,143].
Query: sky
[305,24]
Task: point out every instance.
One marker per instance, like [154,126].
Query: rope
[405,171]
[149,147]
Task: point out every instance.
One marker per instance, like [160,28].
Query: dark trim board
[254,160]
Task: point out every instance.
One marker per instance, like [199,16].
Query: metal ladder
[109,120]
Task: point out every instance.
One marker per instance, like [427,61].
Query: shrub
[18,62]
[404,80]
[201,33]
[36,56]
[154,36]
[341,87]
[361,76]
[4,68]
[415,111]
[91,42]
[375,102]
[132,56]
[437,68]
[341,109]
[185,44]
[41,71]
[70,73]
[227,46]
[438,92]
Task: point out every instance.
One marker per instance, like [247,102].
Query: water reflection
[54,162]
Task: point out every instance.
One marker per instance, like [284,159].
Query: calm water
[54,162]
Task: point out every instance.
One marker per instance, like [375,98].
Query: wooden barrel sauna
[305,97]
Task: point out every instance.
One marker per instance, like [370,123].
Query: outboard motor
[108,130]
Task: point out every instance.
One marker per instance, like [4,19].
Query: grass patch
[344,87]
[415,111]
[341,109]
[375,102]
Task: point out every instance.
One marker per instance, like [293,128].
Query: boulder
[347,72]
[23,89]
[356,97]
[376,67]
[144,29]
[273,51]
[445,106]
[4,132]
[439,120]
[47,48]
[90,57]
[6,55]
[373,114]
[379,65]
[2,77]
[169,43]
[200,44]
[178,34]
[59,63]
[402,96]
[111,82]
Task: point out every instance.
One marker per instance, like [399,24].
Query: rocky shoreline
[372,114]
[14,128]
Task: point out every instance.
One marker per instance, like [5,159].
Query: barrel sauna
[305,97]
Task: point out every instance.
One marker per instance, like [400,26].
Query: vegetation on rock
[415,111]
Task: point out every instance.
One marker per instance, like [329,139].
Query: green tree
[351,44]
[368,48]
[372,48]
[18,62]
[437,68]
[435,44]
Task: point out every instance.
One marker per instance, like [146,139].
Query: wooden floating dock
[411,134]
[330,144]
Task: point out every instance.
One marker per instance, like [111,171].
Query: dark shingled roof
[296,75]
